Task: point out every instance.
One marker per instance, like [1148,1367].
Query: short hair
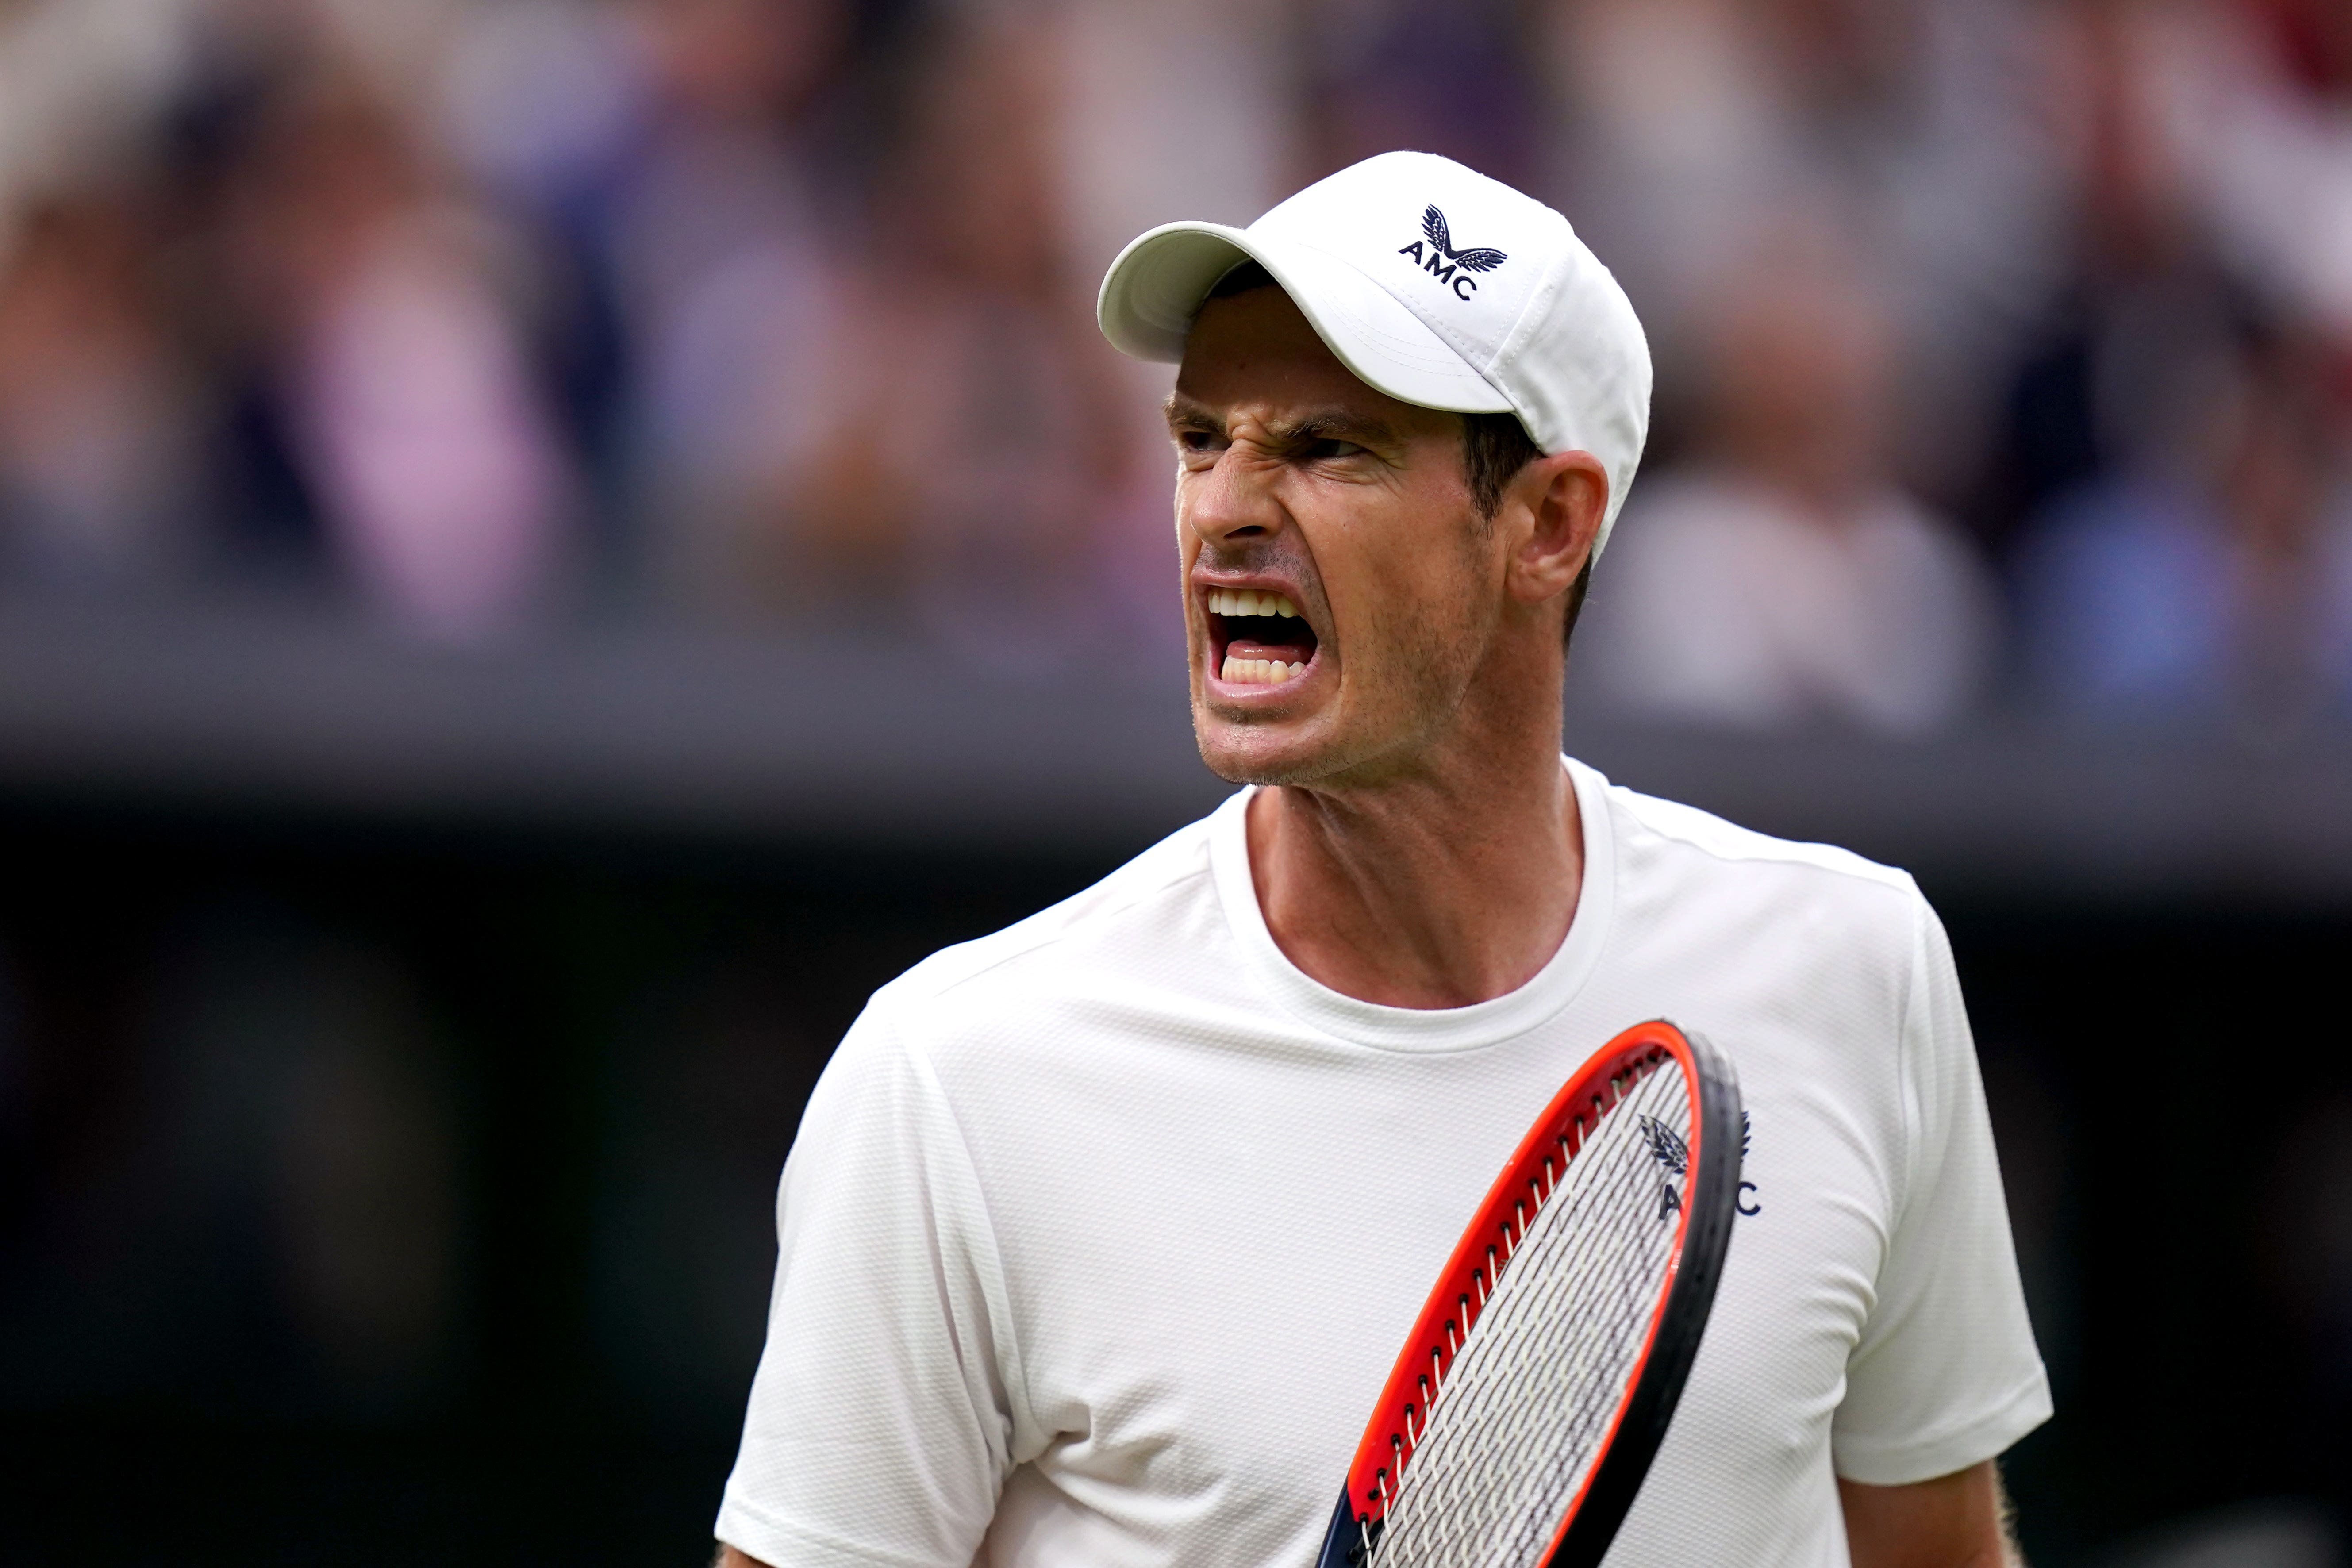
[1495,446]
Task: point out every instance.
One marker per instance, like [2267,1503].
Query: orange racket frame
[1703,1227]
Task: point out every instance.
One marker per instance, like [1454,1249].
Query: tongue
[1287,652]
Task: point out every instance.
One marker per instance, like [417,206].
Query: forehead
[1257,351]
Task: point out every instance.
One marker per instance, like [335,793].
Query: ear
[1555,505]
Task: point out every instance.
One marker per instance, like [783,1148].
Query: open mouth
[1256,637]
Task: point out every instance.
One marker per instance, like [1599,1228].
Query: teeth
[1260,671]
[1250,602]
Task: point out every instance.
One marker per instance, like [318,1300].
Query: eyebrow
[1190,412]
[1327,424]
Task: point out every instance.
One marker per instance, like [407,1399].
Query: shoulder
[1690,871]
[1648,818]
[1811,961]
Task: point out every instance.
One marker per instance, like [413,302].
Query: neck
[1445,884]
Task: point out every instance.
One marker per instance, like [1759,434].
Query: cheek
[1411,624]
[1415,573]
[1388,622]
[1421,614]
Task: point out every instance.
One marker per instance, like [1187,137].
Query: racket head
[1684,1133]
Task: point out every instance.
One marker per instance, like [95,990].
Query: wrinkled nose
[1234,502]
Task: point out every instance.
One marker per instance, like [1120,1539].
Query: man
[1100,1233]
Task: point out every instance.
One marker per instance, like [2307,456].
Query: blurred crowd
[2005,346]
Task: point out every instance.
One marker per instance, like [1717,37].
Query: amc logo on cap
[1441,261]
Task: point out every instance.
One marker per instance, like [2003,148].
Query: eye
[1196,440]
[1329,448]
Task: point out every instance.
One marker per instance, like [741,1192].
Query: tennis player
[1100,1234]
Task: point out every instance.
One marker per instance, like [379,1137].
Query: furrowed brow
[1333,425]
[1314,424]
[1191,414]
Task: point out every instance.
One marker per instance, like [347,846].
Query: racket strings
[1523,1411]
[1494,1488]
[1572,1142]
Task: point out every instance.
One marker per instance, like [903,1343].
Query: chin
[1267,750]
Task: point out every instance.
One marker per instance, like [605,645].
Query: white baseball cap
[1432,283]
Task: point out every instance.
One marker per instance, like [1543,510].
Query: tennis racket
[1539,1380]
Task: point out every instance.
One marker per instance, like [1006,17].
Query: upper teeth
[1248,602]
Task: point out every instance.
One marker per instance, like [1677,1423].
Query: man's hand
[730,1558]
[1959,1521]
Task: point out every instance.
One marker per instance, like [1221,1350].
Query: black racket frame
[1711,1197]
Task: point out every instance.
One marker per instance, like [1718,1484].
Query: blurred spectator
[1144,78]
[1925,129]
[1216,79]
[81,81]
[721,263]
[544,104]
[971,450]
[2136,269]
[1783,578]
[2179,449]
[96,437]
[777,309]
[670,148]
[2252,100]
[402,389]
[1451,76]
[2212,572]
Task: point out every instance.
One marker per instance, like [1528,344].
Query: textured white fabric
[1100,1234]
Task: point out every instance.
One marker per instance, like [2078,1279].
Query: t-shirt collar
[1413,1029]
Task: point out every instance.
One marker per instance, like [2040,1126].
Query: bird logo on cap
[1450,267]
[1433,224]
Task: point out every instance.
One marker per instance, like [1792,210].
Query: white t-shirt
[1101,1233]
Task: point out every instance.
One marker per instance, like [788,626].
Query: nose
[1234,501]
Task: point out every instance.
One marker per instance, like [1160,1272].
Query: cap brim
[1154,288]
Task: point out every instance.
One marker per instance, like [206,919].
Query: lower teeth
[1260,671]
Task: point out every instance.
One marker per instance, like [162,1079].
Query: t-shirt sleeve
[881,1421]
[1946,1372]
